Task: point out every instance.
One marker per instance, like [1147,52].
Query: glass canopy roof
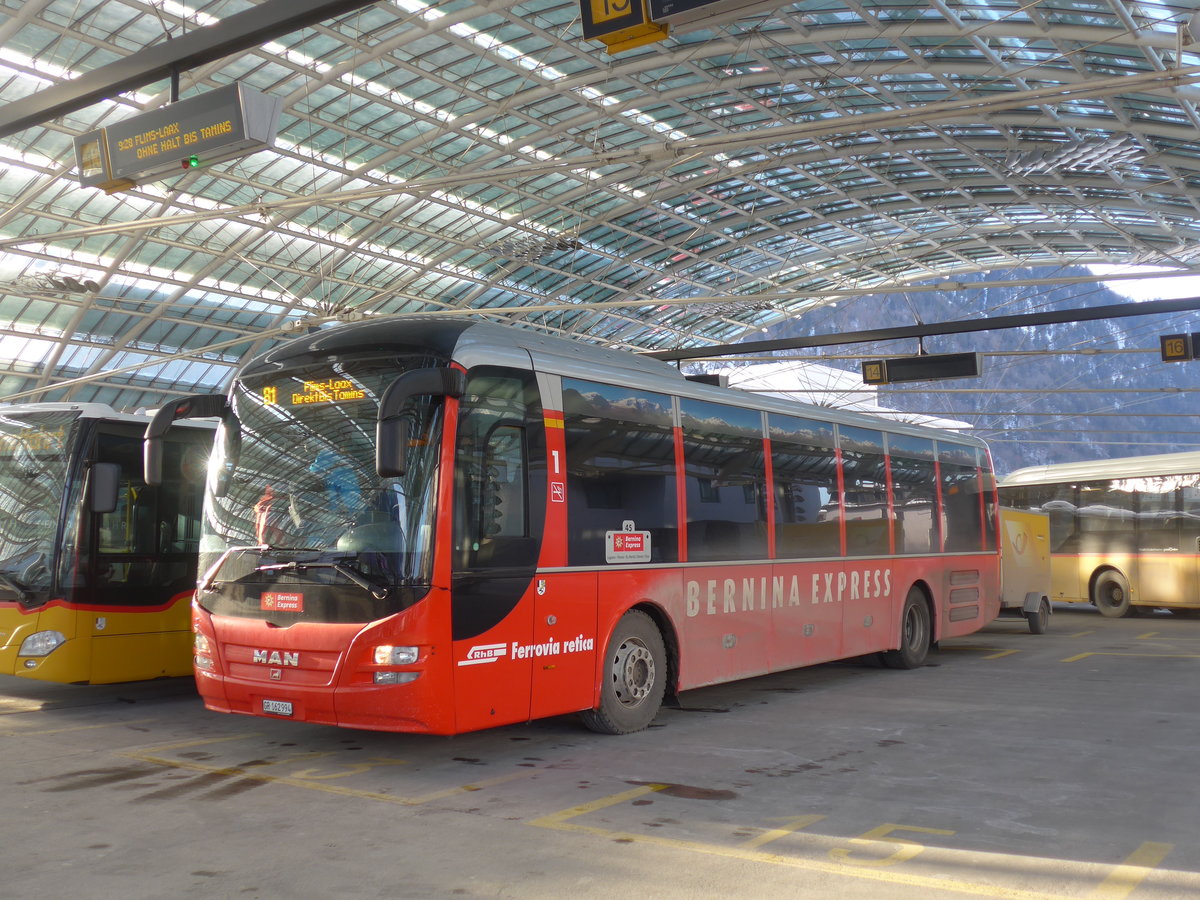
[486,159]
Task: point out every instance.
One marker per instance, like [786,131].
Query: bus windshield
[298,525]
[34,466]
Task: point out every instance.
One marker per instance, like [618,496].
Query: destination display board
[229,122]
[927,367]
[331,390]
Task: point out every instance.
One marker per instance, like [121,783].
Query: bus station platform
[1012,765]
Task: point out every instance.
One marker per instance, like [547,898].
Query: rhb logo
[484,653]
[277,658]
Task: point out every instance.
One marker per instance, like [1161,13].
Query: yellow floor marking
[1148,634]
[325,787]
[1082,633]
[1126,877]
[558,821]
[1000,653]
[1080,656]
[554,819]
[201,742]
[19,732]
[776,833]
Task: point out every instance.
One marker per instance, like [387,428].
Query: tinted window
[1189,513]
[962,505]
[864,476]
[145,549]
[914,494]
[620,446]
[1160,517]
[499,496]
[1056,500]
[1105,516]
[726,481]
[804,465]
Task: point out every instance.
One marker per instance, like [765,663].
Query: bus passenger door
[498,522]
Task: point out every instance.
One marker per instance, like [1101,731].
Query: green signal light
[192,162]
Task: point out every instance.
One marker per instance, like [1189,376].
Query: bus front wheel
[633,677]
[914,634]
[1110,594]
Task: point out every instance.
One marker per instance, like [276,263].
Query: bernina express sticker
[627,545]
[277,602]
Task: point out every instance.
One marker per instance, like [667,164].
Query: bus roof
[85,410]
[472,342]
[1098,469]
[97,411]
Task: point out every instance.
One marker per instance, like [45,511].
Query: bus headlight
[202,652]
[396,656]
[41,644]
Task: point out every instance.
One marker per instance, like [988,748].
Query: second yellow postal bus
[1124,533]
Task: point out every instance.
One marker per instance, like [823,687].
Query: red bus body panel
[546,658]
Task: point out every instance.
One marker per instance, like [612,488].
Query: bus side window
[914,492]
[807,511]
[725,477]
[1189,513]
[620,466]
[962,514]
[1159,518]
[865,504]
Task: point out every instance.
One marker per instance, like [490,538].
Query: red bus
[438,526]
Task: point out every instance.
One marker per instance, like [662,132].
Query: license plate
[277,707]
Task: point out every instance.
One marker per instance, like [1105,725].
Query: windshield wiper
[15,586]
[377,591]
[208,582]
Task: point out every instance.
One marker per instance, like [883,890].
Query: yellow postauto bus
[97,570]
[1124,533]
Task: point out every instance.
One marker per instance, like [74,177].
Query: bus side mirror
[198,406]
[393,427]
[103,483]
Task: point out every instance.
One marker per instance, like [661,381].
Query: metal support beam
[996,323]
[241,31]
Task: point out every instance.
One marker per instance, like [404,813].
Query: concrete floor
[1013,766]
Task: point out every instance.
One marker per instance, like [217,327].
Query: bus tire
[633,677]
[914,634]
[1110,595]
[1039,621]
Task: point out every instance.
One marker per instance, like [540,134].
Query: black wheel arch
[670,638]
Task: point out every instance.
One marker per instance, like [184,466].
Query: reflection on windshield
[303,503]
[34,457]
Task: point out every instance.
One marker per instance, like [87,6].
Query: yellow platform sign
[620,24]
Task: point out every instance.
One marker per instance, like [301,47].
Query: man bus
[533,526]
[96,569]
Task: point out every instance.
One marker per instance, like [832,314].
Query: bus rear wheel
[914,634]
[1110,594]
[634,677]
